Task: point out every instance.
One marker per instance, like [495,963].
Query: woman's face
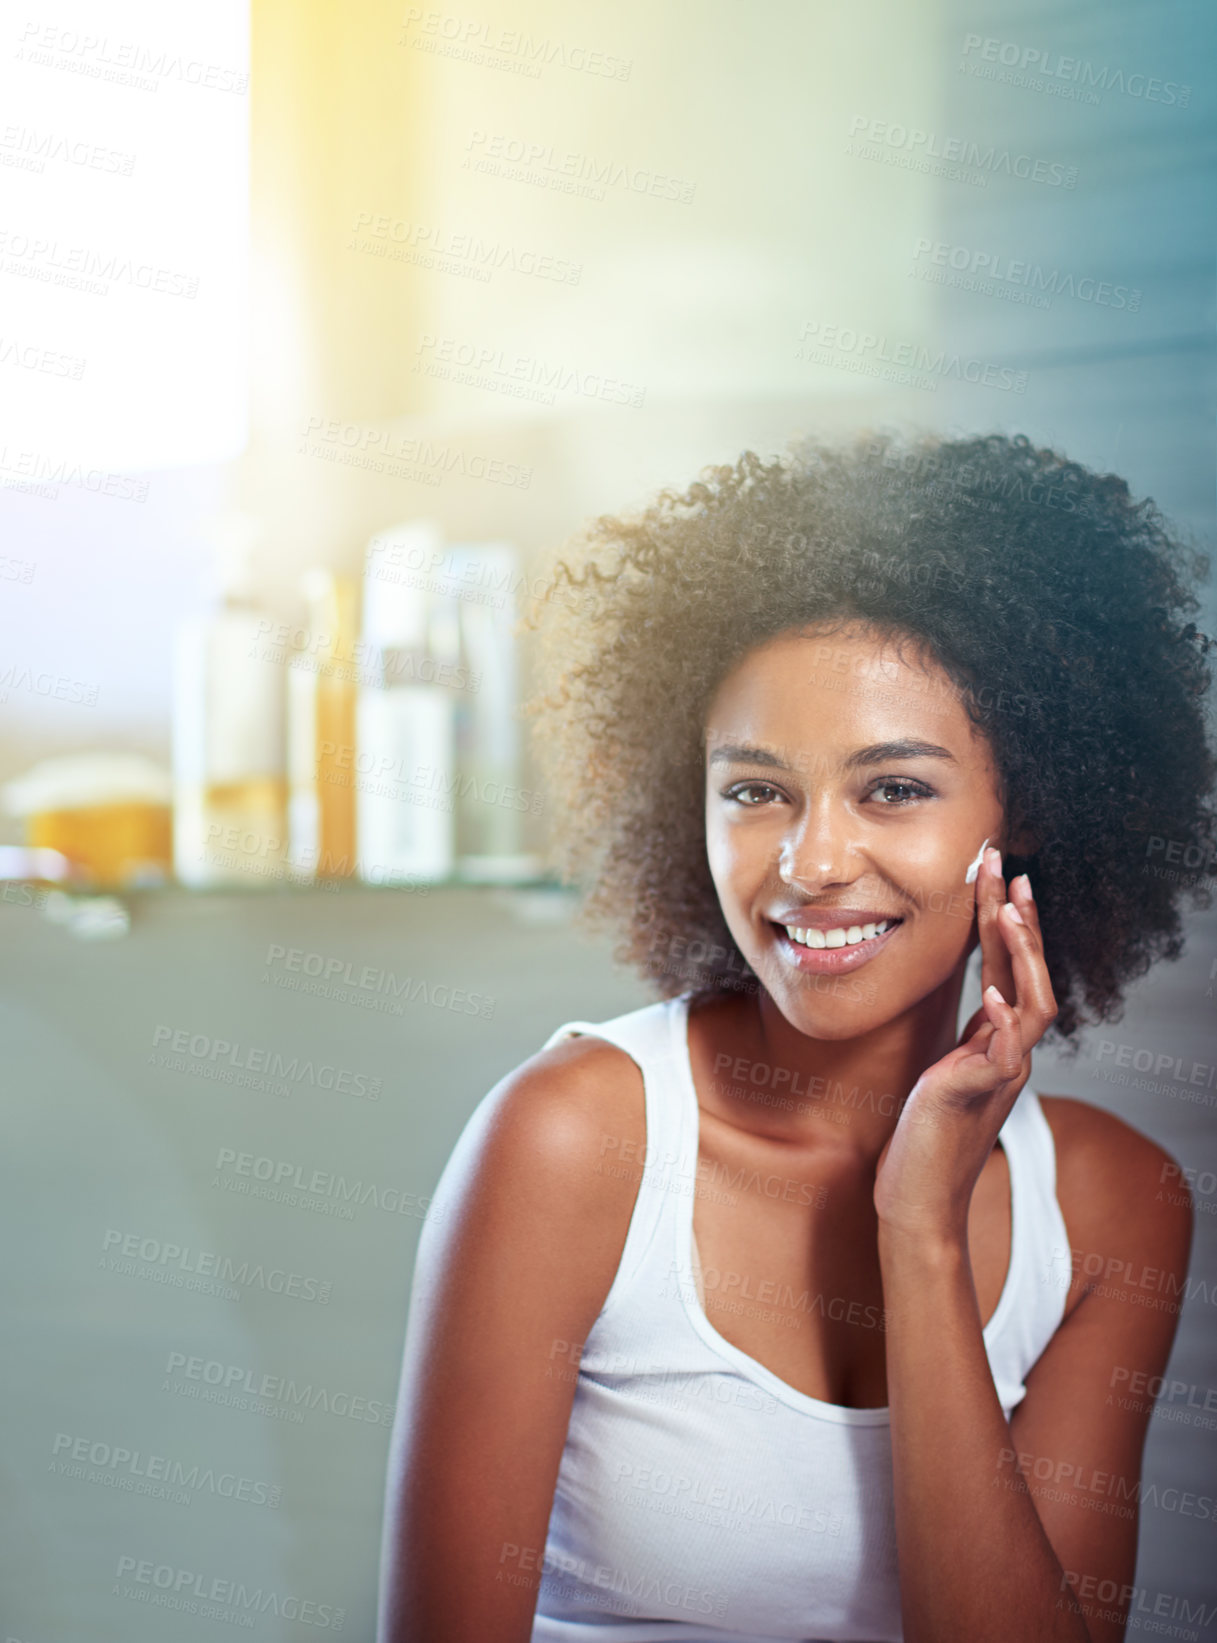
[846,789]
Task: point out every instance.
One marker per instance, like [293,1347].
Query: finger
[995,969]
[976,1035]
[967,1072]
[989,1061]
[1023,897]
[994,1059]
[1036,1003]
[1005,1049]
[990,893]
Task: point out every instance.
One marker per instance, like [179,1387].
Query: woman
[763,1311]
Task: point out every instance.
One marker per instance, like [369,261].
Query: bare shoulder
[575,1104]
[1096,1147]
[1124,1197]
[555,1153]
[529,1206]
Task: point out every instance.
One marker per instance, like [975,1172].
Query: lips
[832,918]
[834,939]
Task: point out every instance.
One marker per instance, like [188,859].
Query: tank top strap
[649,1036]
[1033,1300]
[1027,1139]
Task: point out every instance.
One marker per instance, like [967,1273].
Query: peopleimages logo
[238,1386]
[497,47]
[209,1271]
[872,353]
[29,149]
[989,270]
[95,1461]
[1163,1061]
[284,1179]
[484,365]
[568,170]
[27,357]
[216,1597]
[456,252]
[329,974]
[48,260]
[227,1056]
[1035,63]
[987,159]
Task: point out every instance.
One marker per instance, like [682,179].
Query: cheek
[948,928]
[719,851]
[928,866]
[739,853]
[926,857]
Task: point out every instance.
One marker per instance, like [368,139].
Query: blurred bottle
[229,781]
[491,803]
[322,693]
[405,735]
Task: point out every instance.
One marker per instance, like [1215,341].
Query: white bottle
[229,778]
[405,735]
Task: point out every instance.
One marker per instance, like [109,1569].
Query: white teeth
[840,937]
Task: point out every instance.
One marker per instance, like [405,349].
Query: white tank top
[701,1499]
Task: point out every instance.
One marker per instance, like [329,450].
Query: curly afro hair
[1055,603]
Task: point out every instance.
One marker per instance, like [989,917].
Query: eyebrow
[876,753]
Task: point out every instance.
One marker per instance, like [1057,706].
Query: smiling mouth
[832,949]
[841,935]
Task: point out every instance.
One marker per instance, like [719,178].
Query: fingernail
[992,989]
[993,858]
[1014,913]
[1024,881]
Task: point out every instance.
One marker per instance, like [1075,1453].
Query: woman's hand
[930,1165]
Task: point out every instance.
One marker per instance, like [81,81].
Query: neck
[844,1093]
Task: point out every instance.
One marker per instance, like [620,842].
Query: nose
[820,850]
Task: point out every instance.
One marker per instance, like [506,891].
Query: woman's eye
[895,792]
[745,792]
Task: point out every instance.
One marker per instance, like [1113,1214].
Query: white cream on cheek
[970,876]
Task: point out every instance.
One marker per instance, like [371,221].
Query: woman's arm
[512,1274]
[983,1550]
[1022,1531]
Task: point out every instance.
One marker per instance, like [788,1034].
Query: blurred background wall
[737,217]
